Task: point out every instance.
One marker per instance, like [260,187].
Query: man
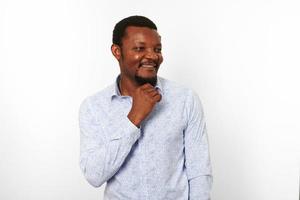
[144,136]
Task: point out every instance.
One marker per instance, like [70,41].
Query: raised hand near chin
[143,101]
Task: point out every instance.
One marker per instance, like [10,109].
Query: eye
[157,50]
[138,48]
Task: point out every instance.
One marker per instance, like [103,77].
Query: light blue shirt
[167,158]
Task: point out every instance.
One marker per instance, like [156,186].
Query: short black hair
[136,20]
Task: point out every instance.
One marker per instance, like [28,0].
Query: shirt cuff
[125,128]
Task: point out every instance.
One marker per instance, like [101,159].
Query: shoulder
[98,99]
[181,94]
[175,89]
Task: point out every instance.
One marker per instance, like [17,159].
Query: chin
[143,80]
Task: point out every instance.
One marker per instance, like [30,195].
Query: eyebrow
[143,43]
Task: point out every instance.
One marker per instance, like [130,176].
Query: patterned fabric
[166,158]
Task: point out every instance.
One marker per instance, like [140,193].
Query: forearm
[100,160]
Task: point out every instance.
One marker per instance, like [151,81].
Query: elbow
[94,181]
[93,178]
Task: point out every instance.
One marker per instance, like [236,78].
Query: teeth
[149,66]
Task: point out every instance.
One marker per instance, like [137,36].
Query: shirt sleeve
[197,159]
[101,155]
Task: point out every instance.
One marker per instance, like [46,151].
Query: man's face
[140,55]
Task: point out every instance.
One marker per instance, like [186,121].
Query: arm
[103,153]
[101,157]
[197,160]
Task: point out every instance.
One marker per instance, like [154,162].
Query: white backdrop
[242,58]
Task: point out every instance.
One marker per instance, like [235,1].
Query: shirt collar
[116,92]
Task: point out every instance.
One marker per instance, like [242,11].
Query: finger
[149,89]
[146,85]
[157,97]
[153,93]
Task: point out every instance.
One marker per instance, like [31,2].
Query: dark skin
[140,55]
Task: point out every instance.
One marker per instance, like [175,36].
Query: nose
[151,54]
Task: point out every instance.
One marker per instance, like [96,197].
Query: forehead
[141,34]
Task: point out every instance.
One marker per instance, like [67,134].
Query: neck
[127,86]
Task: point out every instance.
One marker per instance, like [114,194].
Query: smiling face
[139,55]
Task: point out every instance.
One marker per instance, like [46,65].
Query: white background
[241,57]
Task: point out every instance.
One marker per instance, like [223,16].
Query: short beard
[142,81]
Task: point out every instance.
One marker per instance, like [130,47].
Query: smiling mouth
[149,65]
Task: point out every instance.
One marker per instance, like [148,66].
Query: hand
[143,101]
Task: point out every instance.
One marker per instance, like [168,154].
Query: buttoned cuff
[126,129]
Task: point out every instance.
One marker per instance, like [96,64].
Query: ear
[116,51]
